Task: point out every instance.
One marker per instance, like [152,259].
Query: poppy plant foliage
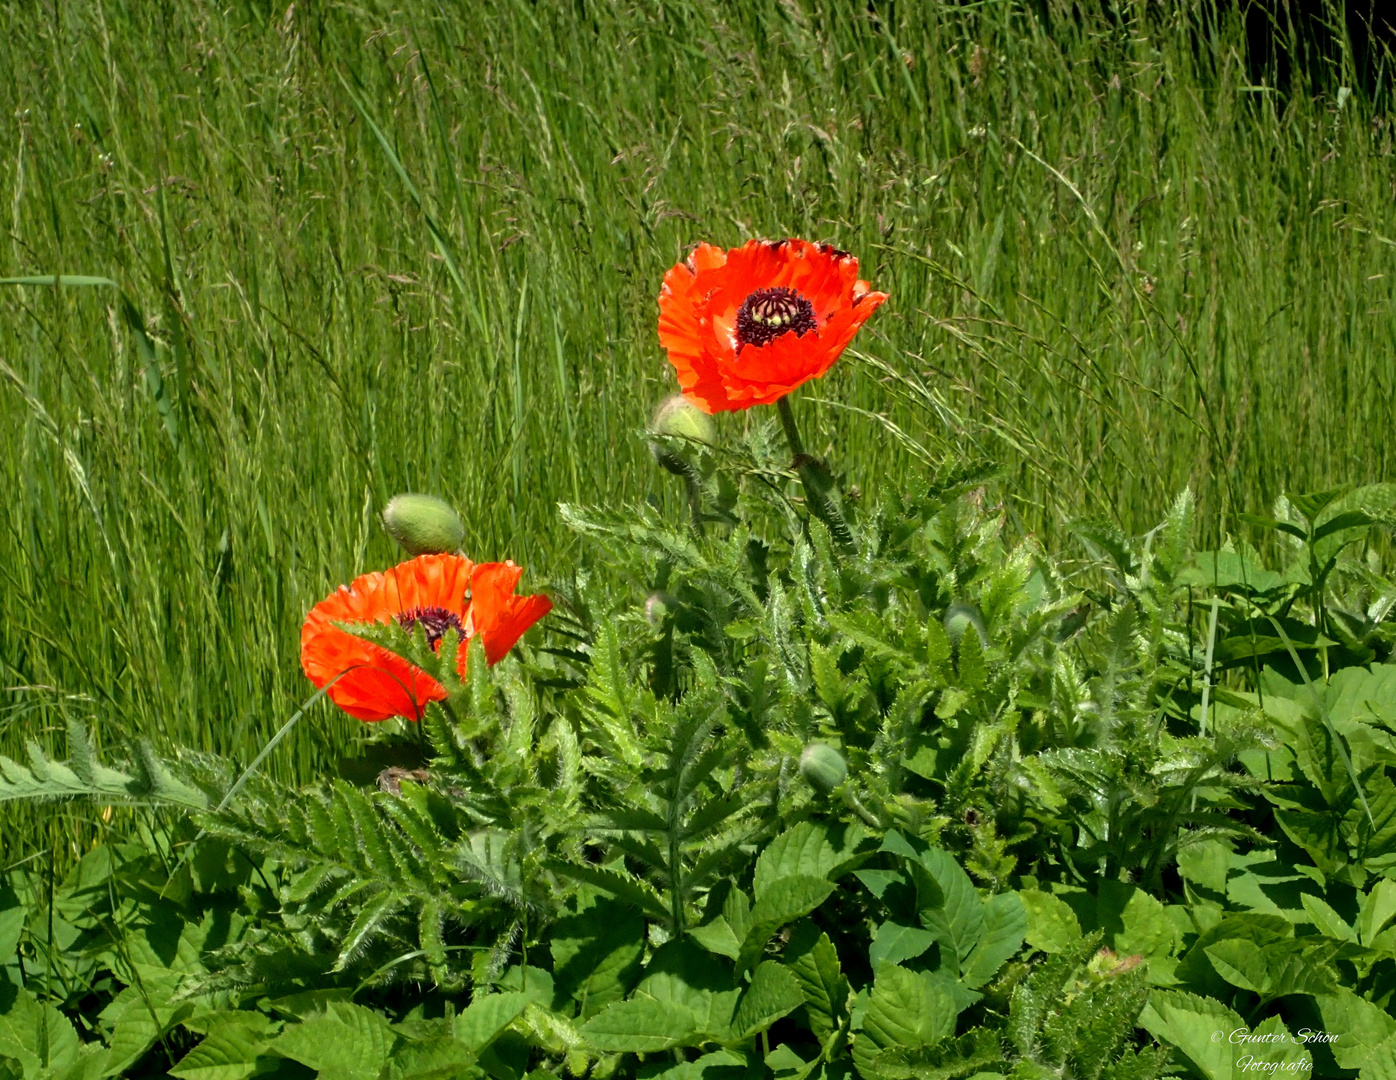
[438,592]
[746,326]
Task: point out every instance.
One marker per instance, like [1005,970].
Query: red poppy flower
[745,327]
[437,592]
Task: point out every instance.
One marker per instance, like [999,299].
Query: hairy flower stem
[694,491]
[792,433]
[821,494]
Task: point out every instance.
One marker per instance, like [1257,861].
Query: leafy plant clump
[826,790]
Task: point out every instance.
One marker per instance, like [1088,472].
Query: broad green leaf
[230,1049]
[1326,919]
[904,1010]
[788,1065]
[596,953]
[1005,922]
[1052,925]
[441,1058]
[1272,1050]
[1198,1028]
[812,959]
[786,900]
[683,974]
[717,937]
[893,943]
[1144,928]
[1230,570]
[806,850]
[345,1042]
[1241,964]
[1378,908]
[138,1021]
[736,909]
[773,992]
[1360,1027]
[487,1017]
[38,1036]
[641,1025]
[719,1065]
[958,922]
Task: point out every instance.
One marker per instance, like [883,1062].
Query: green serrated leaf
[773,992]
[346,1041]
[904,1010]
[814,962]
[1052,925]
[786,900]
[487,1017]
[641,1025]
[1004,924]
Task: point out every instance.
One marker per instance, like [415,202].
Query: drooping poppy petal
[745,327]
[431,591]
[496,613]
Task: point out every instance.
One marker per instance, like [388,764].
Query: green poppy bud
[657,607]
[823,767]
[423,525]
[959,617]
[680,418]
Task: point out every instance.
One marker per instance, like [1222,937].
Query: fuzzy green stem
[792,433]
[695,499]
[821,494]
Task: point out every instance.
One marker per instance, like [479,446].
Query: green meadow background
[360,248]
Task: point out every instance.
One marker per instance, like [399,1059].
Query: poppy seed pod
[823,767]
[680,418]
[423,525]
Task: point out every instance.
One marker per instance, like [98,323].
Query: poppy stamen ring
[766,314]
[435,621]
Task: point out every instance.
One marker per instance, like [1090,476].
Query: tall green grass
[362,248]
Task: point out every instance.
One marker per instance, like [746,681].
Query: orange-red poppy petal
[368,681]
[499,616]
[701,300]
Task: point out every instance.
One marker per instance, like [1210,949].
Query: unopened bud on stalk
[679,417]
[423,525]
[823,767]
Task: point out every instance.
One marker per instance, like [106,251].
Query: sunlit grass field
[360,249]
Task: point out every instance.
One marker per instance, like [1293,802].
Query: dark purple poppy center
[434,621]
[768,313]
